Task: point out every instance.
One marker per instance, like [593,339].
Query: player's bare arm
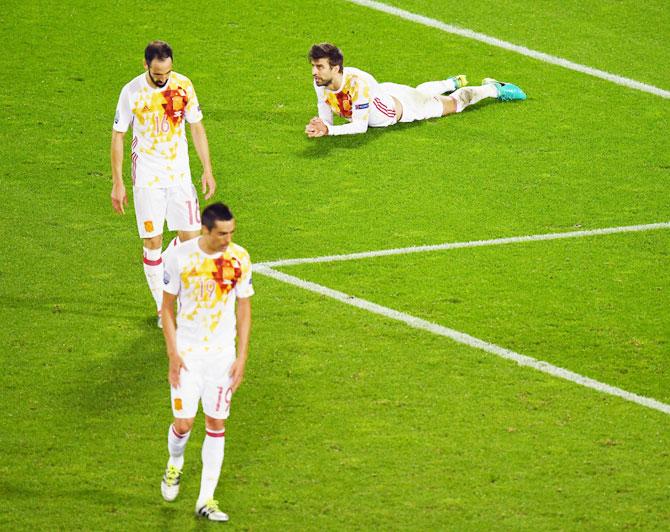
[170,334]
[119,197]
[202,149]
[243,315]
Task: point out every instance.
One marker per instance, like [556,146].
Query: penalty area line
[458,245]
[540,56]
[466,339]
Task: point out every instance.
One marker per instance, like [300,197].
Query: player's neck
[205,247]
[336,83]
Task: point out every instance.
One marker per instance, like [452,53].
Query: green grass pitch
[347,420]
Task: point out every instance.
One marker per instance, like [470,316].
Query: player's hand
[208,185]
[237,372]
[316,128]
[119,197]
[176,363]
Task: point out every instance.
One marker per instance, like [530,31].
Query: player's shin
[153,271]
[176,445]
[471,95]
[212,460]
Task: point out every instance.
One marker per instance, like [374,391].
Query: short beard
[159,85]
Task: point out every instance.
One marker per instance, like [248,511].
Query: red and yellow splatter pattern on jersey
[341,102]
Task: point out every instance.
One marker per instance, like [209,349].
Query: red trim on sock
[153,262]
[216,434]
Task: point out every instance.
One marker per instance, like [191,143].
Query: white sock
[176,445]
[435,88]
[212,460]
[467,96]
[153,271]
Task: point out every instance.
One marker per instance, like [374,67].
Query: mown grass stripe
[540,56]
[466,339]
[470,244]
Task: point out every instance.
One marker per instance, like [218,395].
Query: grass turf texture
[346,420]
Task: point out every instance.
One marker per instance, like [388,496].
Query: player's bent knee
[182,426]
[155,242]
[214,424]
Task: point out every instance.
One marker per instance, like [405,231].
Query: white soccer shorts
[178,204]
[382,110]
[415,104]
[208,381]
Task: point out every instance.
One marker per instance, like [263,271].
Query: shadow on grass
[73,306]
[74,507]
[124,379]
[322,147]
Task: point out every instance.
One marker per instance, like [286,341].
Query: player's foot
[170,483]
[210,510]
[459,81]
[507,92]
[159,321]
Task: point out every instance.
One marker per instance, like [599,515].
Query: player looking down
[210,276]
[158,104]
[357,96]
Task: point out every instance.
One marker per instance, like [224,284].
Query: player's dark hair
[330,51]
[214,213]
[157,50]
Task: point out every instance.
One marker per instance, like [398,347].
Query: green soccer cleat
[210,510]
[459,81]
[507,92]
[170,483]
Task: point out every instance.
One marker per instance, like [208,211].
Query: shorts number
[193,212]
[227,398]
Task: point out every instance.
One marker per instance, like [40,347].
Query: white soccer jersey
[158,116]
[360,100]
[207,287]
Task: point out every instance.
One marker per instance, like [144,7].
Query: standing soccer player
[211,277]
[158,103]
[357,97]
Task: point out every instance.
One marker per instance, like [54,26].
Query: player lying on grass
[210,276]
[357,96]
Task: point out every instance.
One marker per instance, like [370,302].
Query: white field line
[540,56]
[457,245]
[466,339]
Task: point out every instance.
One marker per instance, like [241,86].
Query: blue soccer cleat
[507,92]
